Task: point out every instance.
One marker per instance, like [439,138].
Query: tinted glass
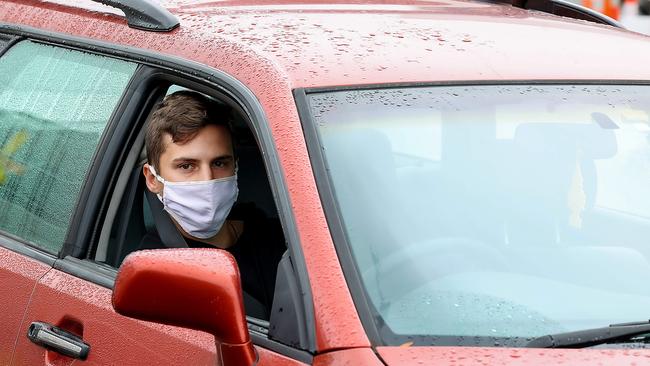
[488,215]
[54,106]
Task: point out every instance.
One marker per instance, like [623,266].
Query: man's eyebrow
[182,159]
[193,160]
[224,157]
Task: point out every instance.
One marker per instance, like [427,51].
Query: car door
[57,104]
[70,315]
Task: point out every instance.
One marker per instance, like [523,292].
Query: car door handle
[58,340]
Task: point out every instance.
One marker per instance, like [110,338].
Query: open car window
[136,219]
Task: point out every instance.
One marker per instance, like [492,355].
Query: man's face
[209,155]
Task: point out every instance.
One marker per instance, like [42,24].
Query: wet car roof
[315,44]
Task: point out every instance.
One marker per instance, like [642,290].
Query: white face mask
[200,208]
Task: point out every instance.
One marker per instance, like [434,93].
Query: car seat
[545,159]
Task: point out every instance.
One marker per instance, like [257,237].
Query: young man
[192,168]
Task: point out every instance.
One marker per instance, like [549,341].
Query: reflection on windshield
[494,211]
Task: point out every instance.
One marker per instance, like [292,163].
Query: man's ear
[152,183]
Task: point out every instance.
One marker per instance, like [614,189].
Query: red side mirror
[192,288]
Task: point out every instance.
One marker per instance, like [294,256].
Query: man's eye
[185,166]
[218,164]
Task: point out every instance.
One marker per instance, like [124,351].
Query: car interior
[526,206]
[513,218]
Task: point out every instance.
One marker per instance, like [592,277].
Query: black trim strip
[567,9]
[7,42]
[294,353]
[523,82]
[229,86]
[26,249]
[91,271]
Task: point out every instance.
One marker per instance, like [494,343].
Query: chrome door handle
[58,340]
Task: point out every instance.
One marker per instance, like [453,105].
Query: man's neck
[225,238]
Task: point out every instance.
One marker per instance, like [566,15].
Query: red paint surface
[85,309]
[270,358]
[192,288]
[312,44]
[348,357]
[69,302]
[473,356]
[18,276]
[273,49]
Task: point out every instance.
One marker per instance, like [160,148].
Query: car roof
[339,43]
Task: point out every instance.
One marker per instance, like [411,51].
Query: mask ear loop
[153,171]
[160,179]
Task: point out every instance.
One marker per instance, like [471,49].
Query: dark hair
[182,115]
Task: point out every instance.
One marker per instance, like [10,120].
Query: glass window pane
[486,215]
[54,106]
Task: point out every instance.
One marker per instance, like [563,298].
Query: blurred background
[633,14]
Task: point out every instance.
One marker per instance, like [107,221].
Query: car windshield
[489,215]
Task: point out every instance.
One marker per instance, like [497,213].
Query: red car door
[18,274]
[44,151]
[84,309]
[73,299]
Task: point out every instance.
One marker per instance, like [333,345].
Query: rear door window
[55,104]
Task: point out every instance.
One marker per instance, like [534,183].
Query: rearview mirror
[192,288]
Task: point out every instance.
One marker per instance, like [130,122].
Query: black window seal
[97,273]
[8,45]
[365,309]
[461,83]
[25,248]
[216,80]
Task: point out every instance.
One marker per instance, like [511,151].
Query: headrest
[592,140]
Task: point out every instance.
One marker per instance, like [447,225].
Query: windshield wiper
[591,337]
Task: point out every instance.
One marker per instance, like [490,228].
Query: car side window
[55,104]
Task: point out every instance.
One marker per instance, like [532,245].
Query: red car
[456,183]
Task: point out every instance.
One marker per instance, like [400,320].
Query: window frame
[8,43]
[123,123]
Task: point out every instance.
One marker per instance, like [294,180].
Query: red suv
[456,182]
